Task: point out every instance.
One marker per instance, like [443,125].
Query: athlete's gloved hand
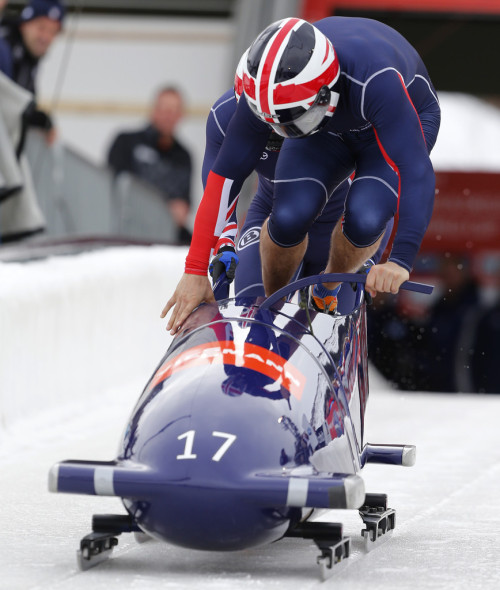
[225,261]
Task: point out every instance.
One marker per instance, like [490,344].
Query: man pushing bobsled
[378,119]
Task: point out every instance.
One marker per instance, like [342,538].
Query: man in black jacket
[154,155]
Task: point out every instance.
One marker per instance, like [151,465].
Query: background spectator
[24,40]
[20,214]
[486,357]
[393,342]
[155,155]
[434,352]
[447,340]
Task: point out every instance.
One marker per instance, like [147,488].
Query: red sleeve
[210,220]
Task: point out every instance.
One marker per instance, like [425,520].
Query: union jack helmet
[288,76]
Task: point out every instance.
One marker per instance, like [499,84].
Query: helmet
[238,77]
[288,75]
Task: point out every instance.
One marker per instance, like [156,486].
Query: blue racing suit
[248,279]
[384,127]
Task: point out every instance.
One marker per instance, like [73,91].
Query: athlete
[248,281]
[358,96]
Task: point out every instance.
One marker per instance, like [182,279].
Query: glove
[225,261]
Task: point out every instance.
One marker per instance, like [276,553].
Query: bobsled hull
[252,415]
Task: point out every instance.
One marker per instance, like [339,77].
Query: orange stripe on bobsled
[248,355]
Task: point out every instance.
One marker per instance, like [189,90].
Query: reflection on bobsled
[255,414]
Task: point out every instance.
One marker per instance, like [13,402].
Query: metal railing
[79,198]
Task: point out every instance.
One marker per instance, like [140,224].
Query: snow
[448,506]
[73,326]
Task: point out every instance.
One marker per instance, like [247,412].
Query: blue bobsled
[253,417]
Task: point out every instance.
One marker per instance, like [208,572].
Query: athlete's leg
[306,174]
[320,233]
[248,279]
[346,257]
[370,205]
[278,264]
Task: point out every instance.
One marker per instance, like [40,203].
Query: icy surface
[448,508]
[448,505]
[71,327]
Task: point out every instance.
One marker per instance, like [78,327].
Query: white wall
[101,73]
[74,327]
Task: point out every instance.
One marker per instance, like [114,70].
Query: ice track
[448,506]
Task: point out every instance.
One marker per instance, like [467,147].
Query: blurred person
[394,343]
[449,330]
[348,94]
[20,214]
[486,350]
[434,352]
[24,41]
[155,155]
[486,355]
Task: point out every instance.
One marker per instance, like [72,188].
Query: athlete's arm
[243,144]
[245,139]
[401,139]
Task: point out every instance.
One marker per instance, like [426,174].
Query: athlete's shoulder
[225,106]
[221,112]
[355,29]
[365,46]
[226,101]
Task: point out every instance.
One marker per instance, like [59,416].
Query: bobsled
[253,418]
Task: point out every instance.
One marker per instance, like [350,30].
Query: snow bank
[74,327]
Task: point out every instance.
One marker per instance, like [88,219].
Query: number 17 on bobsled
[254,416]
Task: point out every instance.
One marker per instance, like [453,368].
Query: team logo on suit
[251,236]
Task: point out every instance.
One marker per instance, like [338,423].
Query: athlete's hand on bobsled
[386,278]
[190,292]
[225,261]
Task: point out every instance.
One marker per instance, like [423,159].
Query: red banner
[317,9]
[466,217]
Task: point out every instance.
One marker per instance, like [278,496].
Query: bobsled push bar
[335,278]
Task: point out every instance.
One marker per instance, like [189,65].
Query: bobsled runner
[254,416]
